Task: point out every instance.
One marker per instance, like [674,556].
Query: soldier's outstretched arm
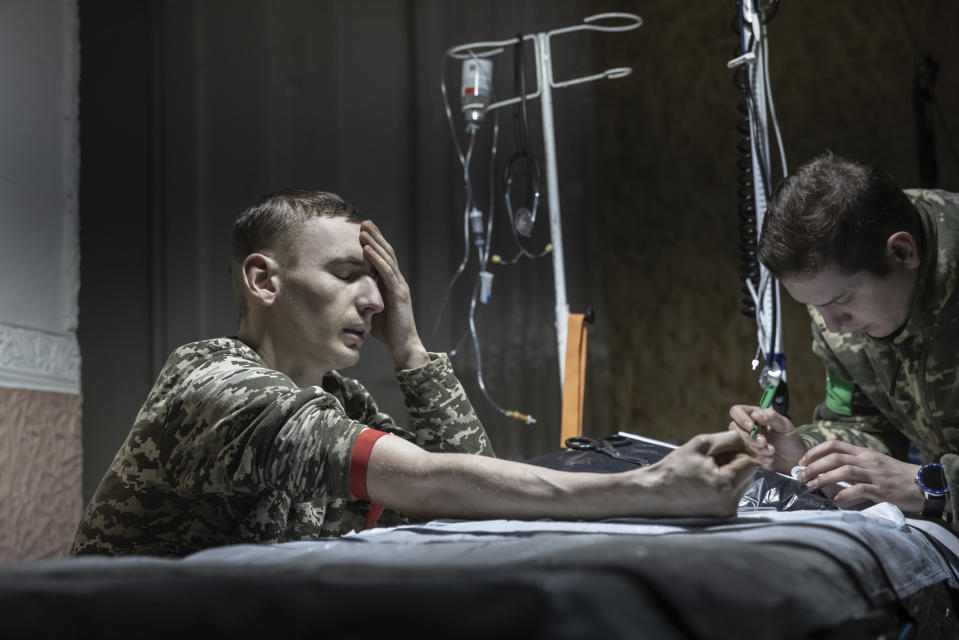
[704,477]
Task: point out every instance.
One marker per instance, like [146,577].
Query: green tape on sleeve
[839,393]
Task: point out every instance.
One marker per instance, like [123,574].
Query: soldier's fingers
[387,265]
[762,447]
[369,235]
[741,428]
[699,444]
[370,227]
[741,470]
[766,462]
[722,442]
[388,275]
[743,432]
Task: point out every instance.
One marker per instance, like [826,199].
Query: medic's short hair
[834,212]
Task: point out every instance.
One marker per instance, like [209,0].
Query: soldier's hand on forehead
[372,237]
[395,325]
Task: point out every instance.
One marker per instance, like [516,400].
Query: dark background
[190,110]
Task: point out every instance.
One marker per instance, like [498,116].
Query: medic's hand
[776,445]
[394,326]
[873,476]
[706,476]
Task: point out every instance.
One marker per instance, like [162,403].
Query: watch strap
[933,506]
[934,498]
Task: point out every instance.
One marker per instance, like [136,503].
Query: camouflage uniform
[884,393]
[226,450]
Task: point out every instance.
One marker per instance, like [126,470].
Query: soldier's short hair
[834,212]
[272,225]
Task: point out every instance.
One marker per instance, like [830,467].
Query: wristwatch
[932,482]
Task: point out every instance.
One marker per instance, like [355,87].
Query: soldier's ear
[260,279]
[904,249]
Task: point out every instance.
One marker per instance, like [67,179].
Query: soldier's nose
[370,299]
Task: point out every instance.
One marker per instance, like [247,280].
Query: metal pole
[552,187]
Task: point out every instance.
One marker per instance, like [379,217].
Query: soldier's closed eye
[349,269]
[347,275]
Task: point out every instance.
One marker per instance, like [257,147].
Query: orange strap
[574,378]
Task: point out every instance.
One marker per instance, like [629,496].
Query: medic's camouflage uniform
[226,450]
[883,393]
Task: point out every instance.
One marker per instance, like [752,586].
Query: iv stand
[544,90]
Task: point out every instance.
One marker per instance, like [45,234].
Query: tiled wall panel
[40,473]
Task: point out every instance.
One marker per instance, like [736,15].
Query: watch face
[934,479]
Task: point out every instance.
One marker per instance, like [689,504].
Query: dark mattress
[822,574]
[769,573]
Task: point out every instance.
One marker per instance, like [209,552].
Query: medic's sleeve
[441,416]
[846,413]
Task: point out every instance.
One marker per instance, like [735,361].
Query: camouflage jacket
[884,393]
[226,450]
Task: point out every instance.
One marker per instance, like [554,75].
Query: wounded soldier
[257,438]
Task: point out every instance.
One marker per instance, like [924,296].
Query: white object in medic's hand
[829,490]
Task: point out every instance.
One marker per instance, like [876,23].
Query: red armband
[359,462]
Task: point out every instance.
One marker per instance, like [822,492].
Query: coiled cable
[748,260]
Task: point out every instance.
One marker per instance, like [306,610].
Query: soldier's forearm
[403,477]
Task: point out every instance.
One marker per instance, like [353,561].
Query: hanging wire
[483,247]
[533,173]
[465,160]
[528,419]
[446,105]
[492,189]
[762,287]
[772,108]
[485,50]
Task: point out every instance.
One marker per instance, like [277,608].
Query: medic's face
[857,303]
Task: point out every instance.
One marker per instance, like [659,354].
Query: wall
[40,406]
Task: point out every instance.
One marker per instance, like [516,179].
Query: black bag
[768,489]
